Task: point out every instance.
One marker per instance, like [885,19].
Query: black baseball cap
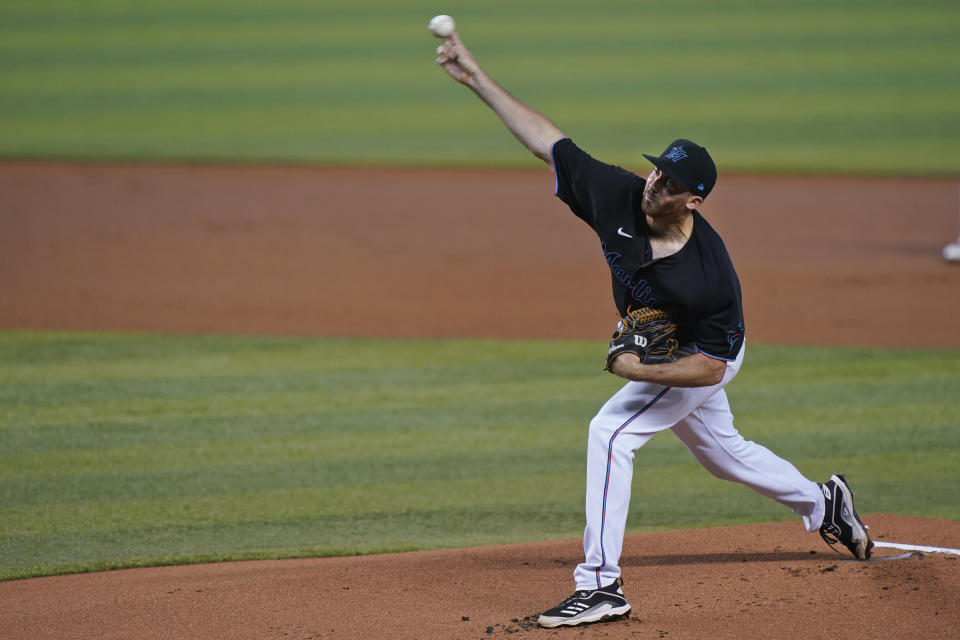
[688,164]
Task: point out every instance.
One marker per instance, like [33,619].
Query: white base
[951,252]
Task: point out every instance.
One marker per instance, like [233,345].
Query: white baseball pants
[701,418]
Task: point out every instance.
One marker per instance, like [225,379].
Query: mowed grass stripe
[475,461]
[654,483]
[293,475]
[906,418]
[33,356]
[327,434]
[801,103]
[228,425]
[43,372]
[267,450]
[252,506]
[162,400]
[53,407]
[911,419]
[202,102]
[295,49]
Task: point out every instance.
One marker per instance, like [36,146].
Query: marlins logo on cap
[676,154]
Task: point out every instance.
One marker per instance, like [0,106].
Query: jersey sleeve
[592,189]
[720,334]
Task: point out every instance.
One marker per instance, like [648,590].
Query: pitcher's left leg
[709,434]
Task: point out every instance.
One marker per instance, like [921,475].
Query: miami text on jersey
[640,290]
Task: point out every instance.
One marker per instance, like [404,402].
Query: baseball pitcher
[680,341]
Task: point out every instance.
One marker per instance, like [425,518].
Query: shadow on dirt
[721,558]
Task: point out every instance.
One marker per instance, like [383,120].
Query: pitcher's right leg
[610,446]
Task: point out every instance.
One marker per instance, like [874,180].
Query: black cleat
[588,606]
[841,524]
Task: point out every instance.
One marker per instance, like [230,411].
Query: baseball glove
[650,333]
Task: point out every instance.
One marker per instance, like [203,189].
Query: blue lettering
[640,291]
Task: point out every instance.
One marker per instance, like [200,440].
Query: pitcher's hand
[457,61]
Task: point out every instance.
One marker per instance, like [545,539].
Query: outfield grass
[129,450]
[848,86]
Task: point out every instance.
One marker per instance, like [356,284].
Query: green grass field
[128,450]
[849,86]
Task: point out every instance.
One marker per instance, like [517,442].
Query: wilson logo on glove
[647,332]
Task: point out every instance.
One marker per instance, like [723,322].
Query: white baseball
[442,25]
[951,252]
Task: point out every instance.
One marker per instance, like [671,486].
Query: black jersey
[697,284]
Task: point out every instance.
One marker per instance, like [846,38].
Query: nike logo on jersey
[620,232]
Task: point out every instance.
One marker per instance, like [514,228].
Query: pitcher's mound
[758,581]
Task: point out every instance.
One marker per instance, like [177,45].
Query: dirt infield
[449,253]
[475,253]
[770,581]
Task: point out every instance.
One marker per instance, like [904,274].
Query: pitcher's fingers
[446,52]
